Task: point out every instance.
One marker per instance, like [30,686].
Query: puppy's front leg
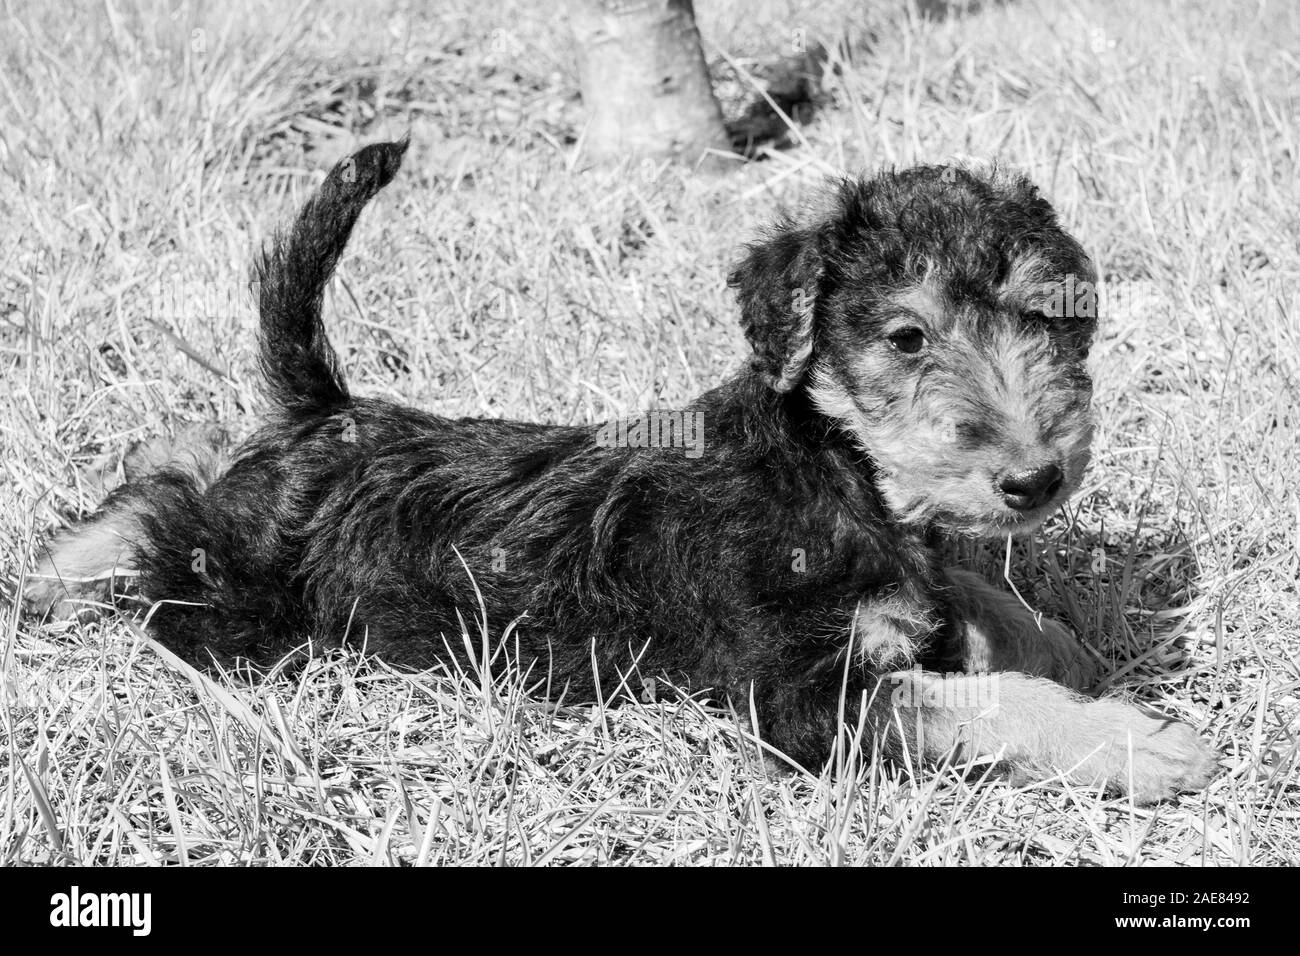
[997,633]
[1041,729]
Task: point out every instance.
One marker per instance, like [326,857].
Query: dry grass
[500,276]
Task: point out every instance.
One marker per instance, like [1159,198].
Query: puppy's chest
[878,586]
[896,628]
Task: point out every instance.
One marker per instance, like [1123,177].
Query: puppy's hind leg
[85,567]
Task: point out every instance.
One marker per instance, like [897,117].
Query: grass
[147,148]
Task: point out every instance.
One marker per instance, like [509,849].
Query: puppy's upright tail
[298,363]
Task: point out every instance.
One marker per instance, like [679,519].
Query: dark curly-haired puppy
[913,374]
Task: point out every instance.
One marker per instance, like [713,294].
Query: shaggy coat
[906,378]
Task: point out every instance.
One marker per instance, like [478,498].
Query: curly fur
[805,526]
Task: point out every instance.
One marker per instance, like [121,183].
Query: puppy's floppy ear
[777,286]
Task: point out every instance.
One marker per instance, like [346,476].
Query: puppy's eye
[909,340]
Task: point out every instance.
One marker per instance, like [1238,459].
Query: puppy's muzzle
[1031,489]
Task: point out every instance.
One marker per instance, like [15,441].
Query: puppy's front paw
[1170,758]
[1150,758]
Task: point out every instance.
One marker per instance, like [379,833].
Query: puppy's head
[942,318]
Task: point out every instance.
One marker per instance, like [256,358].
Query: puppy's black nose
[1030,490]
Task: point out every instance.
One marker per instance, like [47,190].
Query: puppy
[913,374]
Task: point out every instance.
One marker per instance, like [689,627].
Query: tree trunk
[644,80]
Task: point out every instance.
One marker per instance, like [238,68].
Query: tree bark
[644,80]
